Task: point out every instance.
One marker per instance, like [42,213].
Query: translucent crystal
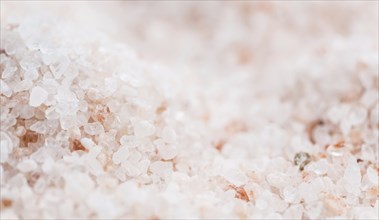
[39,127]
[6,146]
[120,155]
[142,128]
[37,96]
[27,165]
[168,134]
[162,169]
[94,128]
[5,89]
[167,151]
[60,66]
[357,115]
[352,177]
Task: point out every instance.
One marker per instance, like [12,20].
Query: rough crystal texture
[189,110]
[37,96]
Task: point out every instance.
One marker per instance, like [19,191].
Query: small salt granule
[27,165]
[142,128]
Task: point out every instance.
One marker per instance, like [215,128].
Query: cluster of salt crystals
[102,141]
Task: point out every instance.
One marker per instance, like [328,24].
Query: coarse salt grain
[120,155]
[142,128]
[37,96]
[94,128]
[27,165]
[162,169]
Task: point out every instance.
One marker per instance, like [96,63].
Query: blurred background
[218,37]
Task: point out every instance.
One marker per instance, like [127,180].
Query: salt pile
[215,110]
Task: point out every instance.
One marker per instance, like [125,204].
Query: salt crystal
[357,115]
[313,210]
[134,155]
[352,177]
[31,74]
[94,128]
[29,63]
[5,89]
[289,194]
[168,134]
[276,179]
[47,165]
[320,167]
[87,143]
[142,128]
[37,96]
[6,146]
[4,153]
[60,67]
[39,127]
[167,151]
[128,141]
[162,169]
[261,204]
[233,174]
[372,176]
[78,185]
[27,165]
[120,155]
[294,212]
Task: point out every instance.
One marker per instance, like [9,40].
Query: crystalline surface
[37,96]
[191,110]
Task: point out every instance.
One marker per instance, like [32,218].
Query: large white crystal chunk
[37,96]
[352,177]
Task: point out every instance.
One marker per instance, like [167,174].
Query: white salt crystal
[5,89]
[314,210]
[87,143]
[233,174]
[273,215]
[47,165]
[128,141]
[94,128]
[37,96]
[120,155]
[293,212]
[39,127]
[31,74]
[167,151]
[29,63]
[131,169]
[78,185]
[162,169]
[6,146]
[261,204]
[357,115]
[289,194]
[27,165]
[142,128]
[369,97]
[168,134]
[320,167]
[4,151]
[352,177]
[372,176]
[134,155]
[59,67]
[103,205]
[278,180]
